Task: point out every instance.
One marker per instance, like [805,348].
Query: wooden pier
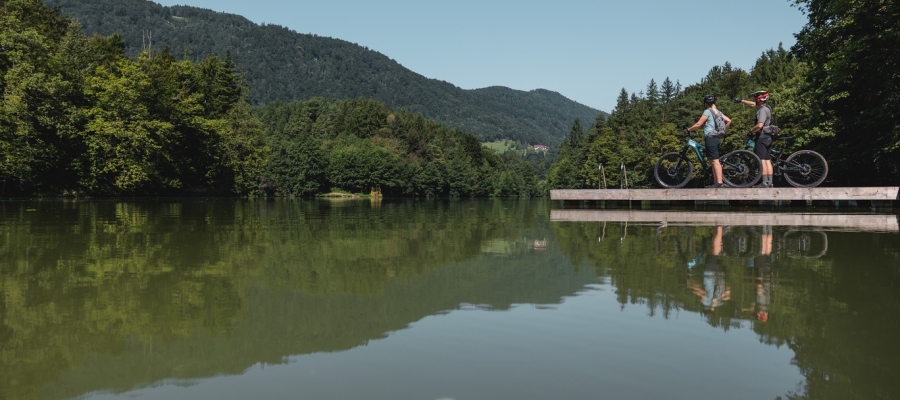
[882,194]
[866,222]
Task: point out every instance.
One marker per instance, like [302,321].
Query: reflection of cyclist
[707,121]
[763,264]
[763,141]
[714,291]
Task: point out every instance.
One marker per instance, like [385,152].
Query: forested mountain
[79,117]
[282,64]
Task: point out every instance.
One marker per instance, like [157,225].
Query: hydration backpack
[719,124]
[771,129]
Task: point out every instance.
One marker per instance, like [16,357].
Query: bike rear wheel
[673,170]
[740,168]
[805,168]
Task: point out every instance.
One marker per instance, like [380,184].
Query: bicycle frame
[698,150]
[779,164]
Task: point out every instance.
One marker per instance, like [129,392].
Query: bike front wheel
[740,168]
[805,168]
[673,170]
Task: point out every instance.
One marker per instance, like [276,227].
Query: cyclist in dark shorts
[707,121]
[763,141]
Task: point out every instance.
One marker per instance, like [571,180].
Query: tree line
[362,145]
[80,117]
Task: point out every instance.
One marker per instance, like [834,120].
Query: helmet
[709,99]
[761,95]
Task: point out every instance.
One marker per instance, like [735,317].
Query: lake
[465,299]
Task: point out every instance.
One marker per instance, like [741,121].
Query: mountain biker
[763,141]
[707,121]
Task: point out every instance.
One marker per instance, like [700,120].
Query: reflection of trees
[833,302]
[148,291]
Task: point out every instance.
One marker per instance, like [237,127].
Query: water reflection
[113,296]
[817,286]
[192,289]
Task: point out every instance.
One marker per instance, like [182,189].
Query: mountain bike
[740,168]
[803,168]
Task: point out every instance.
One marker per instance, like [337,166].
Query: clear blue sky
[586,50]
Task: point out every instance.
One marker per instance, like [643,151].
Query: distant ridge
[282,64]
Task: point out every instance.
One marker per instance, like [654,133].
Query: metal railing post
[603,174]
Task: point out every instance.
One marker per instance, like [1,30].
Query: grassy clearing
[501,147]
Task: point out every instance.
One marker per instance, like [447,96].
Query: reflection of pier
[779,193]
[851,222]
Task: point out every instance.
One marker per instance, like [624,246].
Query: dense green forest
[836,90]
[281,64]
[78,116]
[81,117]
[361,145]
[646,125]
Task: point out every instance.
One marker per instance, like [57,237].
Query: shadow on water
[117,295]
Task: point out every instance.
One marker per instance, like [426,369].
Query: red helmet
[761,95]
[763,316]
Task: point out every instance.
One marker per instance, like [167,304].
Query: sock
[768,179]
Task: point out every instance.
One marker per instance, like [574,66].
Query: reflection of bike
[740,168]
[805,244]
[738,243]
[803,168]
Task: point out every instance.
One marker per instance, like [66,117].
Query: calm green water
[456,300]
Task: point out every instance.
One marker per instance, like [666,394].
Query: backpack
[771,129]
[719,124]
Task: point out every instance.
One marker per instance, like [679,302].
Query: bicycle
[740,168]
[803,168]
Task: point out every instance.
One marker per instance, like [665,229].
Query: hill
[281,64]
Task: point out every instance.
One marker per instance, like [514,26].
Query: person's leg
[766,241]
[762,150]
[768,171]
[717,171]
[717,242]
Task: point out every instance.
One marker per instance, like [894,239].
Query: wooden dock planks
[888,193]
[837,221]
